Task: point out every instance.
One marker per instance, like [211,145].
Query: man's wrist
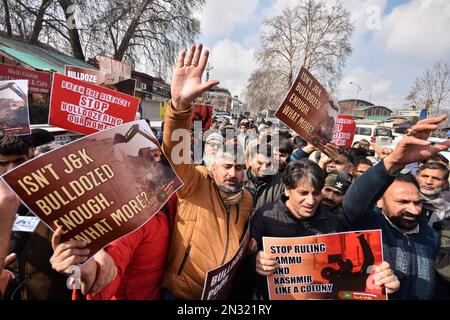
[391,166]
[308,149]
[179,106]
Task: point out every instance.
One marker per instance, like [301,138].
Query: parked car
[435,140]
[381,136]
[226,118]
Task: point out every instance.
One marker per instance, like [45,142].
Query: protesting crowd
[254,180]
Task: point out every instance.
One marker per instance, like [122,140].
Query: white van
[381,136]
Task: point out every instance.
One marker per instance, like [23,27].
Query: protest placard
[86,108]
[344,131]
[14,113]
[38,82]
[330,266]
[217,281]
[88,75]
[98,188]
[203,113]
[102,79]
[309,110]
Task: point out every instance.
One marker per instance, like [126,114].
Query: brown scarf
[228,199]
[231,199]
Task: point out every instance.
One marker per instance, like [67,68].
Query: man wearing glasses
[213,142]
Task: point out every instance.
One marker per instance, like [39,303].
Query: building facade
[372,111]
[149,88]
[237,106]
[348,106]
[152,92]
[220,98]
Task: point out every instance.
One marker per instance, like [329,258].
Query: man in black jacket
[408,245]
[261,180]
[298,213]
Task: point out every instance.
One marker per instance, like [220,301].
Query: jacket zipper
[412,261]
[228,236]
[186,254]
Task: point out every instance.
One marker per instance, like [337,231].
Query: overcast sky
[387,54]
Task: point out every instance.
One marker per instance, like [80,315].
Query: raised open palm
[187,78]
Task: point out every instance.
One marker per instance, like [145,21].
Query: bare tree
[280,47]
[74,37]
[26,18]
[5,12]
[18,20]
[312,35]
[432,88]
[39,21]
[146,31]
[263,90]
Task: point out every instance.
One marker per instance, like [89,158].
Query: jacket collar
[256,180]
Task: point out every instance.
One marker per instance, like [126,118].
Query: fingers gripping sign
[67,259]
[187,78]
[66,254]
[384,276]
[266,263]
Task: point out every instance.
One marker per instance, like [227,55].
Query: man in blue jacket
[383,199]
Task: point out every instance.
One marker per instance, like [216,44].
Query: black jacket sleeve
[362,196]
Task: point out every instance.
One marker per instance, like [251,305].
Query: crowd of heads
[308,183]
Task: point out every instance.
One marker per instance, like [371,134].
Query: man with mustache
[213,208]
[259,172]
[213,142]
[432,178]
[381,198]
[342,162]
[299,212]
[336,185]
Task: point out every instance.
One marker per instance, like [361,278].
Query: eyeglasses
[15,162]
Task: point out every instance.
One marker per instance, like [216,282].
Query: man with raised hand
[213,208]
[381,198]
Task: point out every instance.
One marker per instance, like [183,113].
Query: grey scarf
[440,208]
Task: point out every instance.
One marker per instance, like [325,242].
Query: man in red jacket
[139,259]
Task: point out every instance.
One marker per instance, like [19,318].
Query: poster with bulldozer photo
[14,114]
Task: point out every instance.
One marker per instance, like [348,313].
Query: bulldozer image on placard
[13,107]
